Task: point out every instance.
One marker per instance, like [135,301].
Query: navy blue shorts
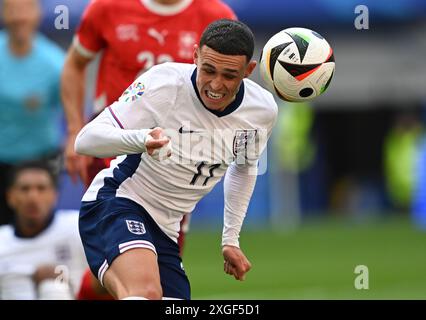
[112,226]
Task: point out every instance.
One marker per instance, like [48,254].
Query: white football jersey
[59,244]
[203,142]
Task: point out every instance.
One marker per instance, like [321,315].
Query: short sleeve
[89,39]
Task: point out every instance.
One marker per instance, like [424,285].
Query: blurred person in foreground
[131,36]
[41,255]
[30,67]
[137,204]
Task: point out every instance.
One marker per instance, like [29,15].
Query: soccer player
[133,36]
[30,67]
[137,35]
[209,121]
[42,249]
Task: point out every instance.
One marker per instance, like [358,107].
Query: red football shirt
[137,34]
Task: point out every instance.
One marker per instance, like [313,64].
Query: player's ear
[250,68]
[196,53]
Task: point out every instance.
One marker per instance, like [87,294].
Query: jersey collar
[166,10]
[230,108]
[19,234]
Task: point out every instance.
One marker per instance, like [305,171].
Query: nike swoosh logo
[182,130]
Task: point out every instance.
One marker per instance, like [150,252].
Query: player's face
[219,76]
[32,196]
[21,18]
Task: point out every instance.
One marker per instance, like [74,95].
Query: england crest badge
[135,227]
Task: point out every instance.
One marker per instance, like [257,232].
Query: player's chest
[24,92]
[23,253]
[214,141]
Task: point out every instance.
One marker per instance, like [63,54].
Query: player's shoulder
[6,234]
[166,75]
[174,67]
[262,98]
[5,231]
[214,9]
[66,220]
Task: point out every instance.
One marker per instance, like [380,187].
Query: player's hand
[76,164]
[154,143]
[44,272]
[235,263]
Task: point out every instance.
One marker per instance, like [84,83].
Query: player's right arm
[102,139]
[125,127]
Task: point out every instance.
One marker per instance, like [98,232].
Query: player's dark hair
[229,37]
[31,165]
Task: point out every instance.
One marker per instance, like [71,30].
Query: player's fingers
[76,167]
[241,270]
[71,168]
[84,175]
[73,174]
[227,268]
[237,275]
[156,133]
[231,270]
[156,143]
[88,161]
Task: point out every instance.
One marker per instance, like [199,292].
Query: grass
[316,261]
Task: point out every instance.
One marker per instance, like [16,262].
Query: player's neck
[29,229]
[222,109]
[20,49]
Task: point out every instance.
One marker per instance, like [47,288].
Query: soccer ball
[297,64]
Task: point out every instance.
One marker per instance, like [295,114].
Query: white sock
[134,298]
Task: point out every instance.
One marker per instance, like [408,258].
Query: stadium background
[342,173]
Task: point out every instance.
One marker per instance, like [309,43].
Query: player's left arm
[238,188]
[239,183]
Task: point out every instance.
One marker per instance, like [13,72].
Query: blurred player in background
[30,67]
[132,36]
[137,204]
[41,255]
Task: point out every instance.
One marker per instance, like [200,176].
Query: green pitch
[316,261]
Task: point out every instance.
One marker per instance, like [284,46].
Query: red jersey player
[132,36]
